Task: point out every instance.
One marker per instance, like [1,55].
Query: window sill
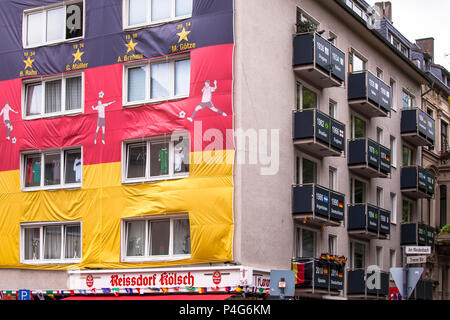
[52,43]
[53,188]
[54,115]
[158,179]
[153,101]
[157,258]
[155,23]
[50,262]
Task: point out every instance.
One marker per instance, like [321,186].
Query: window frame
[298,234]
[41,226]
[43,153]
[44,10]
[352,254]
[393,201]
[147,65]
[148,16]
[148,141]
[42,81]
[147,257]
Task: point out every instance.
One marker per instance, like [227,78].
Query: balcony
[318,134]
[368,158]
[417,183]
[318,61]
[368,95]
[445,151]
[368,222]
[357,287]
[318,205]
[417,234]
[319,276]
[417,127]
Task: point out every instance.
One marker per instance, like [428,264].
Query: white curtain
[52,173]
[182,77]
[32,243]
[183,7]
[181,236]
[34,99]
[53,96]
[72,242]
[160,9]
[136,84]
[160,80]
[56,24]
[135,238]
[52,242]
[73,93]
[137,12]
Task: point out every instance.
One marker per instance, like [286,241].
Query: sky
[417,19]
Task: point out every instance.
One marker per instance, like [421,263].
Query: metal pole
[405,275]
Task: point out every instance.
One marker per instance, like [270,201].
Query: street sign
[418,250]
[416,259]
[414,275]
[282,283]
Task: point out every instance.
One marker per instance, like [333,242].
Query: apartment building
[124,128]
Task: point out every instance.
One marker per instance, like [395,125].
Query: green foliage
[445,229]
[306,26]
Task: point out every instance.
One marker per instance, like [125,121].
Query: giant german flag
[103,201]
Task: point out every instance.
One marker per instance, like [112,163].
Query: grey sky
[417,19]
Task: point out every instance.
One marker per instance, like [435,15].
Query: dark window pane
[159,237]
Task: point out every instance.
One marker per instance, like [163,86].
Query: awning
[155,297]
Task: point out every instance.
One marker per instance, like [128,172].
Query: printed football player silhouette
[206,100]
[101,119]
[5,112]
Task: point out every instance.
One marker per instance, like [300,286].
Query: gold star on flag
[77,55]
[183,35]
[130,45]
[29,63]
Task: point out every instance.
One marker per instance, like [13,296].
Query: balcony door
[306,171]
[306,98]
[357,191]
[306,243]
[357,255]
[358,127]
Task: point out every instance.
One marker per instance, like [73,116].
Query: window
[60,168]
[53,24]
[357,254]
[51,242]
[393,147]
[358,127]
[444,136]
[393,93]
[379,74]
[407,100]
[332,178]
[356,62]
[156,158]
[53,96]
[143,12]
[392,263]
[398,45]
[379,256]
[407,208]
[332,244]
[443,205]
[332,109]
[305,243]
[357,191]
[379,135]
[306,98]
[379,197]
[393,202]
[156,238]
[407,156]
[157,81]
[308,171]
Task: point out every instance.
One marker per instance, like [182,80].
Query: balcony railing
[445,150]
[318,61]
[369,158]
[417,234]
[324,276]
[417,182]
[318,134]
[318,205]
[368,222]
[417,127]
[357,286]
[368,95]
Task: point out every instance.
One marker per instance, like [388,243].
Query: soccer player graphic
[206,100]
[5,112]
[100,108]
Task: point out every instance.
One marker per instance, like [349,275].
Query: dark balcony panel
[368,158]
[319,275]
[414,182]
[357,219]
[416,234]
[318,61]
[372,218]
[368,95]
[423,290]
[385,222]
[430,183]
[367,221]
[319,204]
[337,271]
[316,133]
[417,127]
[356,284]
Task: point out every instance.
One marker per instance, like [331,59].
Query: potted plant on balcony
[305,26]
[444,235]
